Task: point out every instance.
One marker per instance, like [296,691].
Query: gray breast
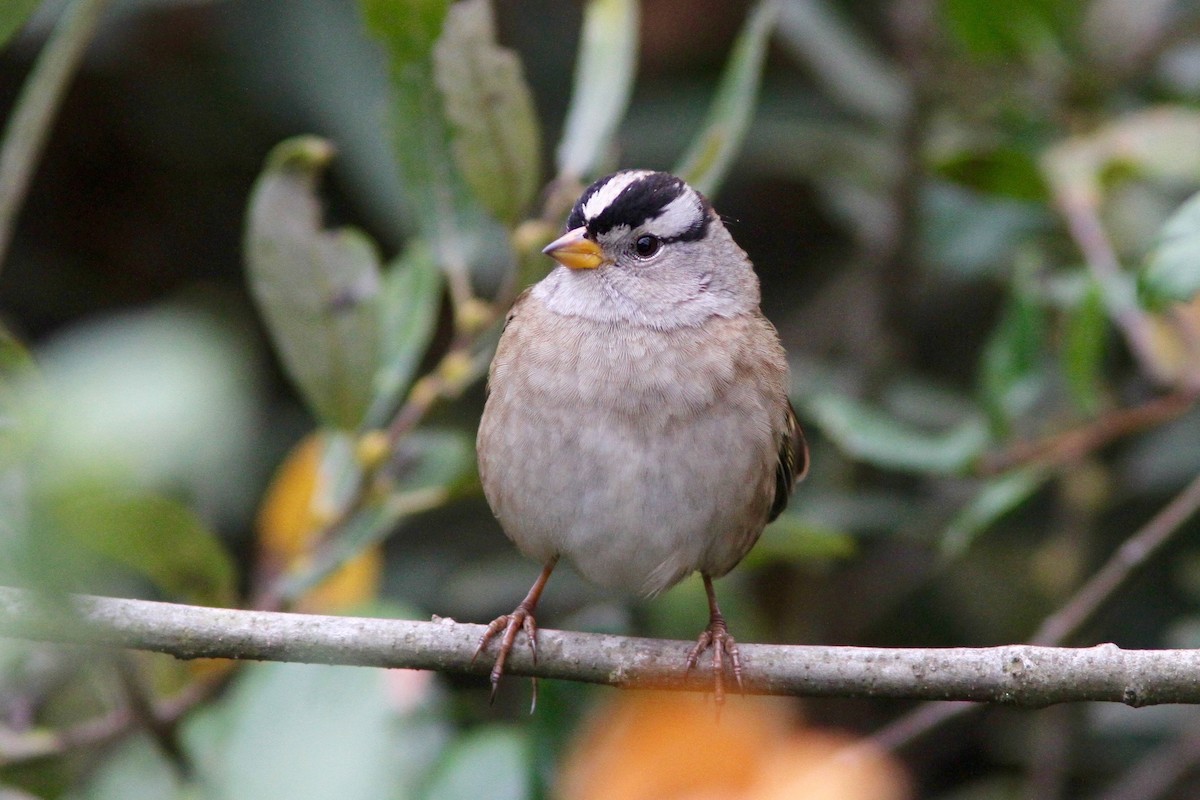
[639,458]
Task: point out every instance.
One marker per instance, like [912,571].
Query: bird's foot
[521,619]
[716,636]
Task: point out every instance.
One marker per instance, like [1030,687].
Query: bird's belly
[633,506]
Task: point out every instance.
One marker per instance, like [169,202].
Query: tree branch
[1019,675]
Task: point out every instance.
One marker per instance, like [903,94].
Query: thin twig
[1155,774]
[144,714]
[1065,623]
[36,745]
[1062,448]
[1082,213]
[28,127]
[1072,617]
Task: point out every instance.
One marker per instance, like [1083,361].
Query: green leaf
[995,498]
[494,129]
[409,304]
[848,67]
[1083,348]
[425,469]
[408,27]
[13,16]
[711,152]
[870,435]
[992,30]
[301,731]
[1172,270]
[971,234]
[793,538]
[340,471]
[318,290]
[136,767]
[447,213]
[432,459]
[1011,375]
[16,368]
[161,399]
[490,762]
[604,73]
[151,535]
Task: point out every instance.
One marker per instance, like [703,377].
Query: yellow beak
[574,251]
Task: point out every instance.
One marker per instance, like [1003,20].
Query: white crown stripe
[609,191]
[678,217]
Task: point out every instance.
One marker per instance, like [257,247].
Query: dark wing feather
[793,462]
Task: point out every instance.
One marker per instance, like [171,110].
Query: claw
[511,624]
[717,637]
[521,619]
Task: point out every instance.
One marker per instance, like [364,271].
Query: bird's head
[645,247]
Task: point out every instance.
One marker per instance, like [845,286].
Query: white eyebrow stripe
[678,217]
[609,191]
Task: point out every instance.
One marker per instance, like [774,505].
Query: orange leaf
[671,745]
[290,522]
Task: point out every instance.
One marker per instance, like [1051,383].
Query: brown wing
[793,462]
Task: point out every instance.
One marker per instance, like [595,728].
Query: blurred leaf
[160,399]
[1005,172]
[1173,350]
[1172,269]
[870,435]
[712,151]
[432,459]
[426,467]
[295,510]
[995,498]
[317,290]
[1083,348]
[849,66]
[604,73]
[409,27]
[971,233]
[302,731]
[136,767]
[987,29]
[794,538]
[491,762]
[151,535]
[13,15]
[16,367]
[494,129]
[1011,375]
[448,215]
[409,304]
[339,473]
[1162,143]
[1118,34]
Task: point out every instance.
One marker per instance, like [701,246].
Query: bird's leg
[521,619]
[716,636]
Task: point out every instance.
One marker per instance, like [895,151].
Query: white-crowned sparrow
[637,420]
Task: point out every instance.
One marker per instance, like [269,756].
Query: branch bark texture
[1019,675]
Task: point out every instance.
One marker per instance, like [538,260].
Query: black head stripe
[642,201]
[576,219]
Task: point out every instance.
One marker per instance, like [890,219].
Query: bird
[637,422]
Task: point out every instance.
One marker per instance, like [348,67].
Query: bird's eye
[647,246]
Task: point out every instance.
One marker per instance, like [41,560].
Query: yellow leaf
[1175,344]
[290,522]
